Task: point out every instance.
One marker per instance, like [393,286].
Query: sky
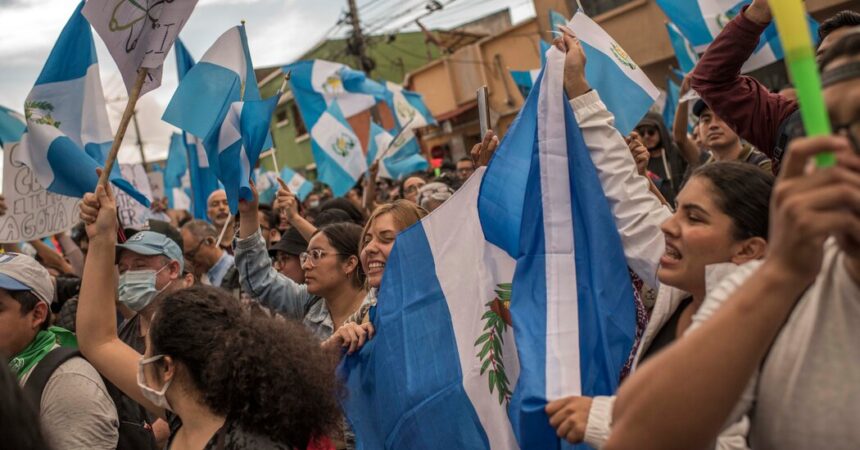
[278,31]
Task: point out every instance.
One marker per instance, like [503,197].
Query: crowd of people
[226,333]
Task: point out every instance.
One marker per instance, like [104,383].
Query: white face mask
[157,398]
[137,288]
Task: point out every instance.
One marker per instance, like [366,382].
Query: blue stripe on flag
[184,61]
[687,15]
[403,389]
[202,99]
[74,52]
[11,126]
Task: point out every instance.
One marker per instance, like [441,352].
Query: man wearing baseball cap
[150,262]
[76,410]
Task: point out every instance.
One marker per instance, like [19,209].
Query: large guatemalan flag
[219,102]
[528,300]
[702,20]
[623,86]
[68,134]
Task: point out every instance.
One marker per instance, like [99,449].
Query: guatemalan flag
[175,171]
[528,299]
[397,159]
[298,185]
[623,86]
[203,180]
[68,133]
[317,82]
[670,107]
[337,151]
[684,51]
[702,20]
[214,101]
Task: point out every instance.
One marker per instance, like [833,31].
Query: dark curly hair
[268,375]
[743,193]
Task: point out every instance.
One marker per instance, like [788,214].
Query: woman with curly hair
[220,376]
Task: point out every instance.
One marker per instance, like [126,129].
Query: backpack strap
[44,369]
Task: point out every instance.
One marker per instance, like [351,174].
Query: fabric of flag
[316,83]
[11,125]
[623,86]
[68,133]
[398,159]
[267,185]
[139,34]
[175,168]
[572,305]
[684,51]
[700,21]
[672,93]
[202,177]
[241,139]
[549,314]
[298,185]
[337,151]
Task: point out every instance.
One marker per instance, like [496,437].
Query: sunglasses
[647,131]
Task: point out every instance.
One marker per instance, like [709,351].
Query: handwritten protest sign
[131,213]
[32,212]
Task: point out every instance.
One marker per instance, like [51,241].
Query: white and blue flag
[337,151]
[241,139]
[623,86]
[556,19]
[548,313]
[12,125]
[702,20]
[673,92]
[398,156]
[298,185]
[68,133]
[202,177]
[684,51]
[317,82]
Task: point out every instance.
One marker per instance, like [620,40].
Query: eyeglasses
[282,259]
[647,131]
[413,189]
[193,252]
[315,255]
[852,132]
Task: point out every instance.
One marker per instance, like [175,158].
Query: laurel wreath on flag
[45,118]
[496,319]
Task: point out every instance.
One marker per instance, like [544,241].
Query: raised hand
[482,153]
[639,152]
[98,211]
[575,83]
[286,202]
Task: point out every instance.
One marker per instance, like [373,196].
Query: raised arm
[682,397]
[96,315]
[638,213]
[689,151]
[257,276]
[745,104]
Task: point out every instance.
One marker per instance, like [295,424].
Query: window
[301,129]
[596,7]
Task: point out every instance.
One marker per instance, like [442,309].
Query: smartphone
[484,109]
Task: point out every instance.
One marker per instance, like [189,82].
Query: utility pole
[357,45]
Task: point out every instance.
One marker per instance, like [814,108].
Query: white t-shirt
[807,394]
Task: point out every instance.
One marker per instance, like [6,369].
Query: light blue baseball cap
[150,243]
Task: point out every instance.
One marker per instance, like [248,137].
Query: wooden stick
[224,230]
[275,162]
[123,125]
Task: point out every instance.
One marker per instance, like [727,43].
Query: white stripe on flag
[231,129]
[562,340]
[228,52]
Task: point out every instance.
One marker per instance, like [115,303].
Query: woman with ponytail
[222,377]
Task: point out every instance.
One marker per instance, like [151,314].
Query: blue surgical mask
[137,288]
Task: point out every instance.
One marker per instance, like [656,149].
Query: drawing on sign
[137,20]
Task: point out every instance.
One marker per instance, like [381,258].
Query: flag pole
[123,125]
[280,92]
[224,230]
